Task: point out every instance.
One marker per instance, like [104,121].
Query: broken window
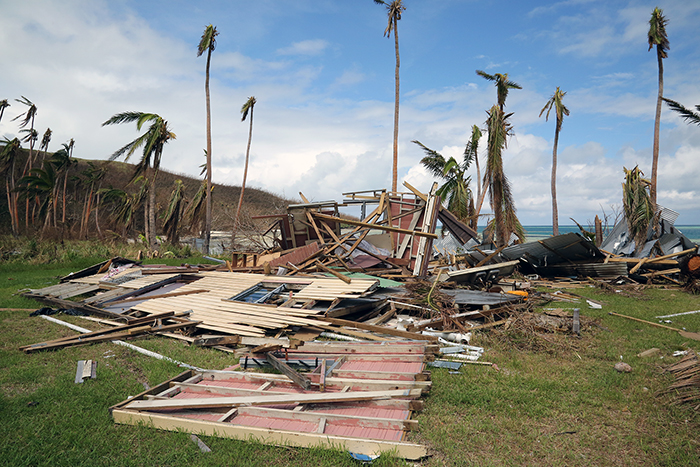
[267,292]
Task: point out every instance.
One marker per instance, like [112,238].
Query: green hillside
[118,175]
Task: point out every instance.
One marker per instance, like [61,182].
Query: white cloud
[307,47]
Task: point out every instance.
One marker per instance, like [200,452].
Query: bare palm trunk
[395,165]
[152,244]
[88,209]
[236,220]
[65,184]
[478,178]
[207,226]
[555,211]
[97,215]
[146,227]
[480,201]
[657,122]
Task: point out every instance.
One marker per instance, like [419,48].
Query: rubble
[392,293]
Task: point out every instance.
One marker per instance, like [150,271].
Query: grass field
[552,400]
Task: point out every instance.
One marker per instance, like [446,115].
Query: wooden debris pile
[393,239]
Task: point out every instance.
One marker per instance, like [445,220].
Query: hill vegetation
[102,201]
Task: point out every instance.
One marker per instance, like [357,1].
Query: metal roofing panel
[569,247]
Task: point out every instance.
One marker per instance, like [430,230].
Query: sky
[323,76]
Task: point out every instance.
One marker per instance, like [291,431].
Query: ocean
[538,232]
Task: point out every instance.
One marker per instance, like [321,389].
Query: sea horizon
[538,232]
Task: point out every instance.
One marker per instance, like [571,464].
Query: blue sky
[323,77]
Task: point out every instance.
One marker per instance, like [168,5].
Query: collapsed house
[391,294]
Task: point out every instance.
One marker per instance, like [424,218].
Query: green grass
[561,404]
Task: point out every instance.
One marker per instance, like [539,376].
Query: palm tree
[62,160]
[503,85]
[456,189]
[499,128]
[208,43]
[502,204]
[247,107]
[3,105]
[637,205]
[173,213]
[8,158]
[657,37]
[153,140]
[555,102]
[92,176]
[194,211]
[27,118]
[40,183]
[45,141]
[394,9]
[686,114]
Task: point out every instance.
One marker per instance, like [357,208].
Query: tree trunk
[152,243]
[65,184]
[236,221]
[97,215]
[146,227]
[207,226]
[555,210]
[657,123]
[395,165]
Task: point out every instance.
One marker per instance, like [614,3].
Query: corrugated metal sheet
[570,247]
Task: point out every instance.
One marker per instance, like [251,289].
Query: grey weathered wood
[299,379]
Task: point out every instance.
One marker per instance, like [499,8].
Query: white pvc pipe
[340,337]
[122,343]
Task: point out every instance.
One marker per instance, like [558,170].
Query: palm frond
[657,32]
[124,117]
[685,113]
[208,40]
[433,161]
[248,107]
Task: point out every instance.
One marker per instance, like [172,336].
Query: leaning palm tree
[208,43]
[657,37]
[153,141]
[27,118]
[685,113]
[3,105]
[500,196]
[456,189]
[499,128]
[555,102]
[247,107]
[394,9]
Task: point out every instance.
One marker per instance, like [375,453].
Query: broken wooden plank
[379,329]
[375,226]
[271,400]
[277,437]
